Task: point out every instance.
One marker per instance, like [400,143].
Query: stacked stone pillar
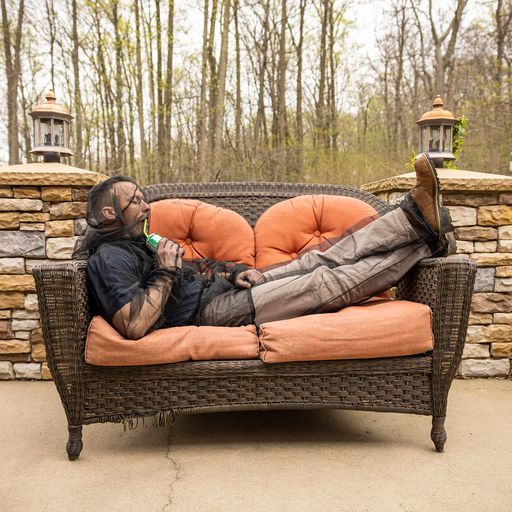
[481,208]
[42,209]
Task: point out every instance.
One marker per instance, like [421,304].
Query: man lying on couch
[138,291]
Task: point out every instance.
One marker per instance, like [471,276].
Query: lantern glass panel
[424,139]
[435,134]
[58,132]
[66,134]
[46,132]
[447,139]
[37,133]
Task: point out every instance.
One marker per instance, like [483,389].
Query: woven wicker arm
[65,316]
[446,285]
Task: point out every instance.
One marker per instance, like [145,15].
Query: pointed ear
[108,213]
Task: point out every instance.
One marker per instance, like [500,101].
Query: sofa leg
[74,444]
[438,433]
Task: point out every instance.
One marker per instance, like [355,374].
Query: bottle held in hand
[152,239]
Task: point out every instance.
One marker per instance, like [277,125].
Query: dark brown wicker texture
[416,384]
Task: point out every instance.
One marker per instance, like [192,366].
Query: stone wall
[42,209]
[481,210]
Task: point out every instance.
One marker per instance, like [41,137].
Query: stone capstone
[488,333]
[484,281]
[17,283]
[476,233]
[27,370]
[11,300]
[475,351]
[12,266]
[6,370]
[491,303]
[14,346]
[22,243]
[504,271]
[486,246]
[462,215]
[59,228]
[56,194]
[485,367]
[494,215]
[451,199]
[503,318]
[503,284]
[6,329]
[60,248]
[21,205]
[501,350]
[71,210]
[492,259]
[480,318]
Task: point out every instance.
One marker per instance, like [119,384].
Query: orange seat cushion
[204,230]
[106,347]
[377,328]
[291,227]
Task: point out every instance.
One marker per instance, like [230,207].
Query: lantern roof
[50,108]
[438,113]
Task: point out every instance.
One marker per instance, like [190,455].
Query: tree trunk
[77,101]
[201,129]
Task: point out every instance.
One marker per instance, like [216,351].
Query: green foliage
[459,134]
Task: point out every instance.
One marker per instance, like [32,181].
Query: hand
[248,278]
[169,254]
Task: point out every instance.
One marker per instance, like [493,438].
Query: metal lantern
[51,129]
[436,133]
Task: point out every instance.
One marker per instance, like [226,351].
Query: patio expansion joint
[177,470]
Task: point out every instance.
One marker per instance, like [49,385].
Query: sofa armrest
[446,285]
[65,316]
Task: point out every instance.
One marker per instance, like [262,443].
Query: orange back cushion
[204,230]
[290,227]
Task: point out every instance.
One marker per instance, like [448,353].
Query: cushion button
[293,255]
[317,233]
[188,241]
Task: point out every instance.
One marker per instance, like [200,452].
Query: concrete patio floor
[260,461]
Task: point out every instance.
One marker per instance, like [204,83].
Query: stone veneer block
[468,199]
[503,318]
[6,370]
[14,346]
[484,281]
[504,271]
[462,215]
[72,210]
[60,228]
[494,215]
[476,233]
[60,248]
[21,205]
[505,198]
[31,302]
[12,266]
[492,259]
[487,333]
[22,335]
[45,372]
[5,314]
[17,358]
[17,283]
[22,243]
[475,351]
[6,329]
[24,325]
[10,300]
[24,314]
[501,350]
[56,194]
[38,353]
[491,303]
[9,220]
[32,226]
[30,264]
[485,367]
[464,247]
[486,246]
[27,370]
[6,192]
[79,194]
[505,246]
[36,336]
[480,318]
[503,284]
[505,232]
[27,192]
[34,217]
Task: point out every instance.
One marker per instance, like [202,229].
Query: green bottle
[152,239]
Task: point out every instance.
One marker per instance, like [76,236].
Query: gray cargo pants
[354,269]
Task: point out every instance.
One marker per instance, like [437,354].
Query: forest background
[201,90]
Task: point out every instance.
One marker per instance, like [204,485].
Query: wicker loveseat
[417,384]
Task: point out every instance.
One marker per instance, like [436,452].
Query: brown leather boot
[426,192]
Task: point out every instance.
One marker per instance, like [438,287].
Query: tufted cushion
[290,227]
[371,330]
[106,347]
[204,230]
